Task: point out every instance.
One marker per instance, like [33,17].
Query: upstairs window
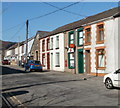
[48,44]
[71,37]
[57,42]
[22,48]
[100,33]
[80,37]
[87,36]
[51,44]
[43,45]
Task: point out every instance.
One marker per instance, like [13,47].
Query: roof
[13,46]
[96,17]
[21,43]
[42,34]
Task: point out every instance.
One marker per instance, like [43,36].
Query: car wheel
[41,70]
[29,70]
[108,83]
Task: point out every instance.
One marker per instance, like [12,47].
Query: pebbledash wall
[110,46]
[57,52]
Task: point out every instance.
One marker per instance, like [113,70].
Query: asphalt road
[55,89]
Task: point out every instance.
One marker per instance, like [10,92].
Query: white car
[112,80]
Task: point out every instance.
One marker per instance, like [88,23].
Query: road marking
[14,99]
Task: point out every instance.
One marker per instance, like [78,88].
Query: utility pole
[19,50]
[26,40]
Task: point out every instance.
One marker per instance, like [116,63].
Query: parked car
[6,62]
[33,65]
[112,80]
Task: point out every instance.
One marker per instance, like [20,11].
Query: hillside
[5,44]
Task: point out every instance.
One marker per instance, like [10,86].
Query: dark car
[33,65]
[6,62]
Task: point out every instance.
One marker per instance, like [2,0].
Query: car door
[116,78]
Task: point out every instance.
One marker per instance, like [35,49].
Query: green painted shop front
[80,61]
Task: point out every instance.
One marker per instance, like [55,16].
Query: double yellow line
[15,100]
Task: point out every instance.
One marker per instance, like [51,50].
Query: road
[50,88]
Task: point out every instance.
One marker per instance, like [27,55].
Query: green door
[80,61]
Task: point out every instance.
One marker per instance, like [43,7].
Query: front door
[51,61]
[48,61]
[80,61]
[87,61]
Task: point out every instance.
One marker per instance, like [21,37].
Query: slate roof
[42,34]
[96,17]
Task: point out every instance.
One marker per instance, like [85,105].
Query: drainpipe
[75,51]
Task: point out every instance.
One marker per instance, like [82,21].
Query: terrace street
[52,88]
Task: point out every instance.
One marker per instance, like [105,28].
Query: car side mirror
[117,71]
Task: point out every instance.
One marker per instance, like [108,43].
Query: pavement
[52,88]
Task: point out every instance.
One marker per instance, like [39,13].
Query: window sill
[57,66]
[71,67]
[57,48]
[87,43]
[101,68]
[79,45]
[99,42]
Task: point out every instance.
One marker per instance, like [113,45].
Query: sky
[44,17]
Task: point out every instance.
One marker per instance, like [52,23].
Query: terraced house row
[88,46]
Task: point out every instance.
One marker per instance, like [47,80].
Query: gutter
[108,18]
[94,22]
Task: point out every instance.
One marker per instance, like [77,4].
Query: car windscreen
[5,60]
[37,62]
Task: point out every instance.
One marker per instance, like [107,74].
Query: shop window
[71,60]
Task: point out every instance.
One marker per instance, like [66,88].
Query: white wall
[45,52]
[16,50]
[60,50]
[110,45]
[8,52]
